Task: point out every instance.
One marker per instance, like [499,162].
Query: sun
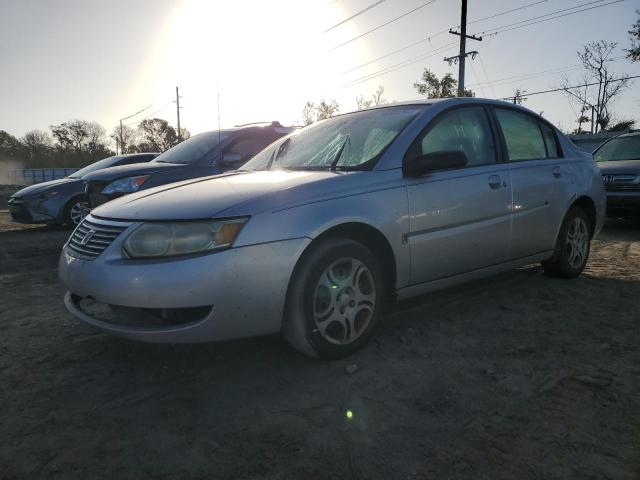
[263,59]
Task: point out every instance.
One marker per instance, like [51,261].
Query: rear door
[459,219]
[541,184]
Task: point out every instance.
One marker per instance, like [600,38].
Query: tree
[376,99]
[595,58]
[633,53]
[432,87]
[125,138]
[157,135]
[621,125]
[313,112]
[38,148]
[326,109]
[10,147]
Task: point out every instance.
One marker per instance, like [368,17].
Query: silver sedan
[319,229]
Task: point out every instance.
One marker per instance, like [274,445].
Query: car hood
[629,167]
[43,187]
[134,169]
[215,196]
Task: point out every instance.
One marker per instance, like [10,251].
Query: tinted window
[521,134]
[136,159]
[193,149]
[550,140]
[465,129]
[249,145]
[104,163]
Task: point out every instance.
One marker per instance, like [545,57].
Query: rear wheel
[74,212]
[334,299]
[572,247]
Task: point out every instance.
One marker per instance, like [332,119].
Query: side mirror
[430,162]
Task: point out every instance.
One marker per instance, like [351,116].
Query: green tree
[156,135]
[38,148]
[433,87]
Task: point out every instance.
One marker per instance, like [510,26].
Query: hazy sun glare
[266,58]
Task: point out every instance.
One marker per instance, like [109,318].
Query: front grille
[94,192]
[93,236]
[622,188]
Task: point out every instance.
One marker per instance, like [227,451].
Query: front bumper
[243,290]
[623,204]
[31,211]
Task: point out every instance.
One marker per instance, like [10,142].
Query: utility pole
[121,139]
[177,102]
[463,48]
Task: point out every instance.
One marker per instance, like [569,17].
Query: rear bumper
[623,204]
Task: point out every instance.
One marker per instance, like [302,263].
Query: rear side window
[550,140]
[465,129]
[249,145]
[522,135]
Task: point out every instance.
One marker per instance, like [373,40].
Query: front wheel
[572,247]
[74,212]
[334,300]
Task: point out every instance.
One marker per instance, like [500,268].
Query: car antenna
[219,133]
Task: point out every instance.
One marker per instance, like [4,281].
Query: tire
[572,246]
[334,300]
[71,212]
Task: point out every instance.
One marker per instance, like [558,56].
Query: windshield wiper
[276,153]
[337,157]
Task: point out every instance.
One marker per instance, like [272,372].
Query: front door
[460,220]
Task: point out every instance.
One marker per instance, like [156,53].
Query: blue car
[63,201]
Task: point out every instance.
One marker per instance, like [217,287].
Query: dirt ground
[517,377]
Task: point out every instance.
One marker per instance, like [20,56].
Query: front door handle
[495,181]
[557,172]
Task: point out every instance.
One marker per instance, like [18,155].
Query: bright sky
[102,61]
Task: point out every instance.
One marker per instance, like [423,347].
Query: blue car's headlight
[153,240]
[125,185]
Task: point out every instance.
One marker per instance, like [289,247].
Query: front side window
[521,134]
[346,142]
[462,129]
[620,148]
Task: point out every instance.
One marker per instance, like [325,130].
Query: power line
[400,65]
[572,86]
[486,75]
[152,113]
[428,39]
[354,16]
[516,25]
[383,25]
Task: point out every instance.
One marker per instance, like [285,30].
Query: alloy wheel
[344,301]
[577,243]
[77,212]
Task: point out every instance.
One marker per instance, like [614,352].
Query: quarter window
[553,149]
[521,134]
[465,129]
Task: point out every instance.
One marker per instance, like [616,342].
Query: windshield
[352,141]
[621,148]
[194,149]
[104,163]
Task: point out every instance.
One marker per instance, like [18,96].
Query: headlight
[125,185]
[152,240]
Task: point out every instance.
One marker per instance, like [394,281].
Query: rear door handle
[495,181]
[557,172]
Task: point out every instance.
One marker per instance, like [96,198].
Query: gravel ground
[516,377]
